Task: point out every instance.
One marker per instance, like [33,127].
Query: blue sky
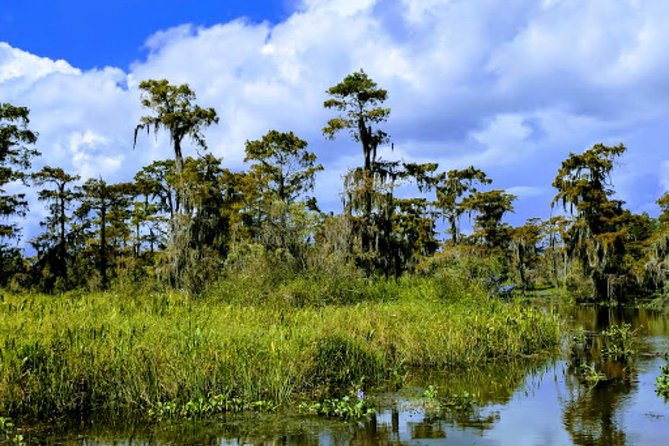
[91,34]
[511,87]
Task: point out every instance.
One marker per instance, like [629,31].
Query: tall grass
[80,352]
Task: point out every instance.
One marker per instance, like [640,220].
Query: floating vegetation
[353,406]
[208,406]
[591,375]
[460,401]
[463,401]
[604,357]
[620,342]
[662,381]
[8,432]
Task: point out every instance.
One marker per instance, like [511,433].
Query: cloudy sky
[510,86]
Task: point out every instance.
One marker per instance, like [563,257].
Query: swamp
[197,304]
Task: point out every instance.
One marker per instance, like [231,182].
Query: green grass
[81,352]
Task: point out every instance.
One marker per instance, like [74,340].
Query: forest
[189,222]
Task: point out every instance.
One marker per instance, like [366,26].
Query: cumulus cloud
[17,65]
[511,87]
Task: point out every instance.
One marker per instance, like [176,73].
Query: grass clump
[82,352]
[338,361]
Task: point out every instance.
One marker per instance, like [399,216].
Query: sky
[511,86]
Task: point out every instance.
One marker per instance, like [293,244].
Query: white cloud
[87,150]
[345,8]
[20,65]
[510,86]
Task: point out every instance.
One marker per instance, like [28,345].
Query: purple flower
[360,394]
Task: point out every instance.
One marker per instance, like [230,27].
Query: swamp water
[521,403]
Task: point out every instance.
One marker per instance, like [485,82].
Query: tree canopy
[188,221]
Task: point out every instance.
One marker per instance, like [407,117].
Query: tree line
[187,220]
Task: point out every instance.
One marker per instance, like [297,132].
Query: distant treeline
[188,222]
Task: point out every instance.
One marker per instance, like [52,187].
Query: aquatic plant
[431,397]
[591,375]
[662,381]
[208,406]
[8,432]
[431,393]
[353,406]
[620,342]
[460,401]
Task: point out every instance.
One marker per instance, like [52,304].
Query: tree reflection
[590,413]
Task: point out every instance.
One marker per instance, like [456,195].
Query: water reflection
[521,403]
[593,414]
[592,318]
[590,415]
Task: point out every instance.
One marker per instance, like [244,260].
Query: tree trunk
[103,245]
[61,248]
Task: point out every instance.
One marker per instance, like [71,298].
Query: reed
[82,352]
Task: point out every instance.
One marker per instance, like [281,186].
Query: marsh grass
[82,352]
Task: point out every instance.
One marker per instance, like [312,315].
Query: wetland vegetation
[80,352]
[195,290]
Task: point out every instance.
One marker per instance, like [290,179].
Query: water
[533,402]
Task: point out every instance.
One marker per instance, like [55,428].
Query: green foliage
[176,113]
[620,342]
[597,237]
[103,213]
[389,235]
[453,187]
[662,381]
[8,432]
[525,247]
[654,271]
[111,351]
[430,394]
[191,224]
[591,375]
[604,357]
[52,247]
[282,168]
[157,183]
[554,259]
[354,363]
[368,201]
[204,407]
[473,263]
[353,406]
[663,203]
[461,402]
[16,152]
[359,100]
[489,208]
